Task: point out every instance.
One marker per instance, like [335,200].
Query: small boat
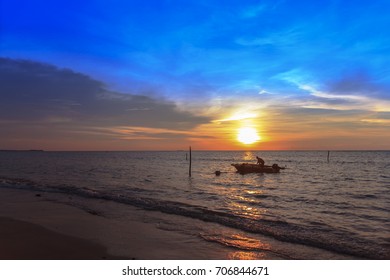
[244,168]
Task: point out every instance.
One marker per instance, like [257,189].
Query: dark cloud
[58,101]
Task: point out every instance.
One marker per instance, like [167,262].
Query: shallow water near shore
[340,207]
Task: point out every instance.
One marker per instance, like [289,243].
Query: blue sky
[275,60]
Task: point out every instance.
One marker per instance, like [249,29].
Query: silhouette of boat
[244,168]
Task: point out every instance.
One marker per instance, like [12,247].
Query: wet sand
[47,226]
[26,241]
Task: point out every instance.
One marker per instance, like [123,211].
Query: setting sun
[248,135]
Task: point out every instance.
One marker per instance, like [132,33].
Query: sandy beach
[45,226]
[23,241]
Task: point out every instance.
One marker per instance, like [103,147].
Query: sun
[248,135]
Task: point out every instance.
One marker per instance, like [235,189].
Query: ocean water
[340,207]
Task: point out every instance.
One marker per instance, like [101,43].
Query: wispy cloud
[253,11]
[281,39]
[146,133]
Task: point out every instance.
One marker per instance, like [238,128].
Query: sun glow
[248,135]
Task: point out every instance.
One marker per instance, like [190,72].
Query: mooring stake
[189,169]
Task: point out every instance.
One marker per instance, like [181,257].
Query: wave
[364,196]
[242,243]
[311,235]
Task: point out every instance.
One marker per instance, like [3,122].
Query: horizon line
[204,150]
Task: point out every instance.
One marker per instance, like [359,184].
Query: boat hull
[244,168]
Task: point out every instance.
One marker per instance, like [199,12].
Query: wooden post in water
[189,169]
[328,155]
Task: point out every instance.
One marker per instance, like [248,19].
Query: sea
[340,207]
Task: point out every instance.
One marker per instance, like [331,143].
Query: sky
[213,74]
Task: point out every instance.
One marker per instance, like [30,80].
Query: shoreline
[102,229]
[44,226]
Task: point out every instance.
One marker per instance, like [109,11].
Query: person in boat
[260,161]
